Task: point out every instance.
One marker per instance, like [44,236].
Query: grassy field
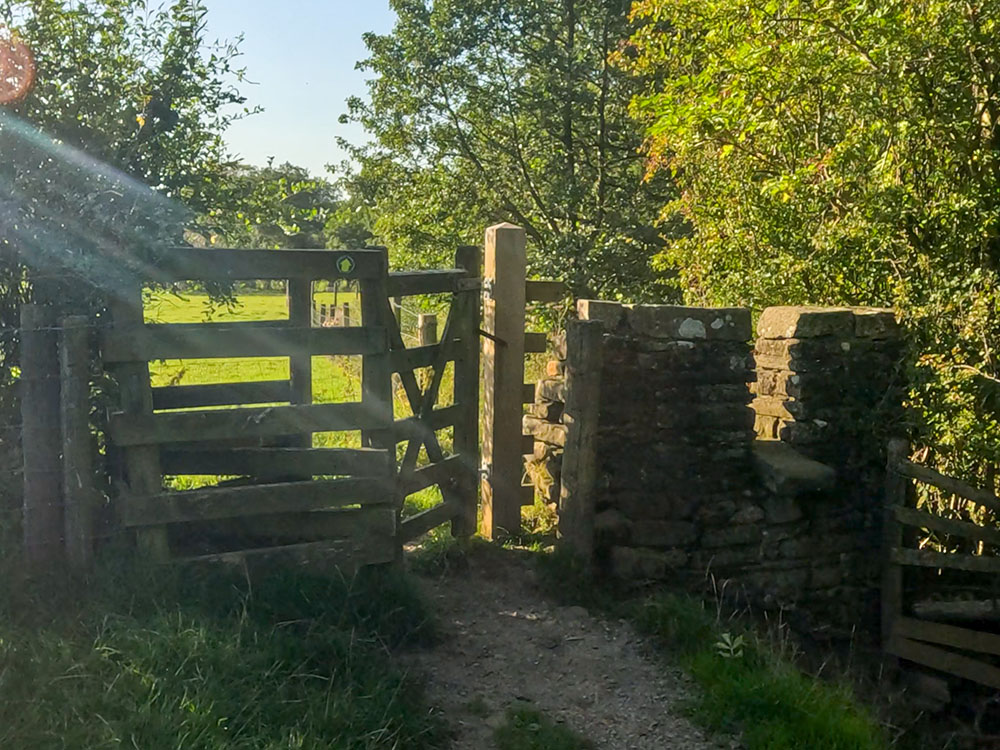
[334,378]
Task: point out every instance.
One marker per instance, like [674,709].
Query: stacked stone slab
[674,438]
[544,423]
[823,374]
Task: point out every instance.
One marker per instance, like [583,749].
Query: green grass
[203,660]
[528,729]
[758,693]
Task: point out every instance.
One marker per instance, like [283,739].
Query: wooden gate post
[78,474]
[427,329]
[467,383]
[503,378]
[43,503]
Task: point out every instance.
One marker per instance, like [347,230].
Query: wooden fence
[961,651]
[287,499]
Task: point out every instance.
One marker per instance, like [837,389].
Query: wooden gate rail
[917,640]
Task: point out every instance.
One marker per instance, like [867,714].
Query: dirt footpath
[503,642]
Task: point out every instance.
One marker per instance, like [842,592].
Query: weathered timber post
[43,502]
[503,378]
[346,318]
[300,301]
[896,488]
[78,472]
[397,311]
[142,462]
[467,381]
[427,329]
[584,360]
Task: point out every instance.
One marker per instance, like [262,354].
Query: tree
[841,152]
[118,145]
[270,207]
[491,110]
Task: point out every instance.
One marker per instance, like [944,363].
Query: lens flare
[17,68]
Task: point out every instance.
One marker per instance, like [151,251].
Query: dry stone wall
[544,423]
[687,492]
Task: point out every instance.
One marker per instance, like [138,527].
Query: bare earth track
[503,643]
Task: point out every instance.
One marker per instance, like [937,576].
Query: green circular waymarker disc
[346,264]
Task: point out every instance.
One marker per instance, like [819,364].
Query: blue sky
[300,54]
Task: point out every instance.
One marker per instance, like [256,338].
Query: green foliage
[528,729]
[114,149]
[204,659]
[841,153]
[270,207]
[485,111]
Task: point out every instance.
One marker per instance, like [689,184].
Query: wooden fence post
[77,463]
[43,504]
[346,318]
[427,329]
[896,486]
[503,378]
[584,361]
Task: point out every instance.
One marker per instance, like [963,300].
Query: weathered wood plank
[346,555]
[254,500]
[424,356]
[448,471]
[226,264]
[947,635]
[173,427]
[221,394]
[421,523]
[964,529]
[271,462]
[948,484]
[535,343]
[537,290]
[945,661]
[209,340]
[409,283]
[929,559]
[312,526]
[528,393]
[413,428]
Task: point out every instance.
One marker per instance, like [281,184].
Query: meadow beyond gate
[287,498]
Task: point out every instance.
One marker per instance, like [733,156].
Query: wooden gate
[289,499]
[912,630]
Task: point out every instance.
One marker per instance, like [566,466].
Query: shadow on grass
[182,657]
